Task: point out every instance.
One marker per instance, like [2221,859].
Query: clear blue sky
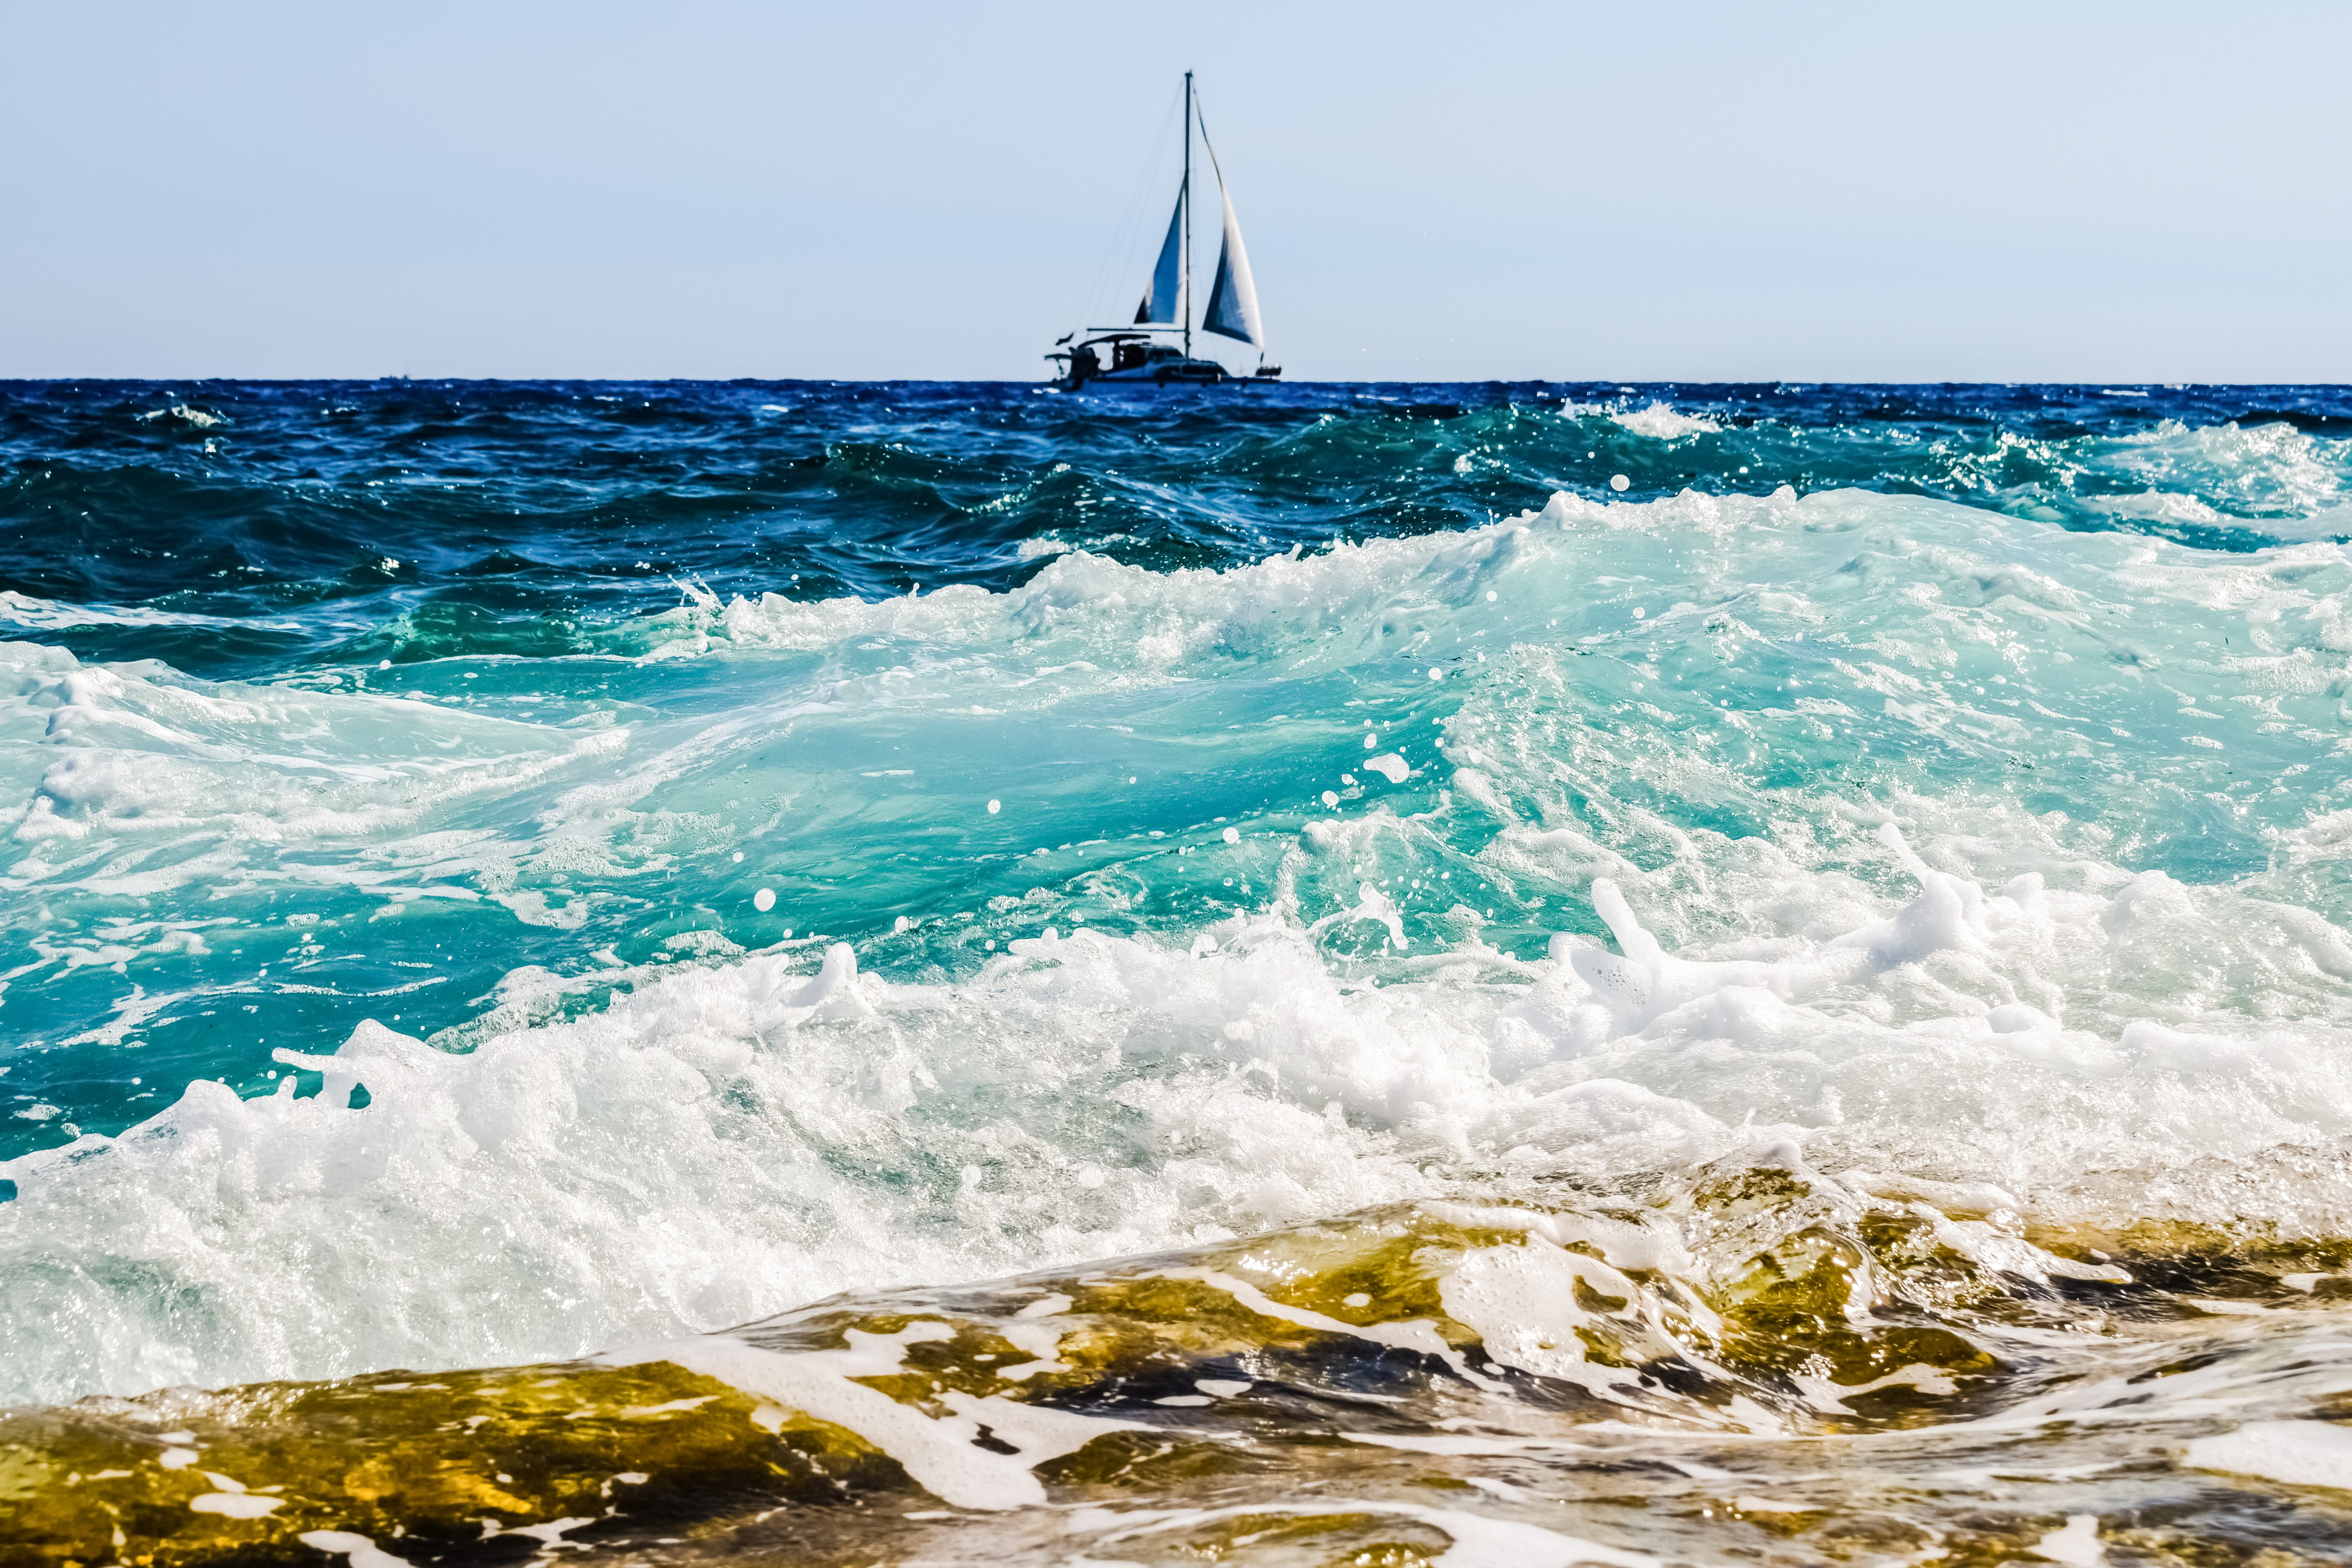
[2150,192]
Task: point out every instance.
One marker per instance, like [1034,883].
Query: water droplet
[764,900]
[994,806]
[1620,483]
[1233,836]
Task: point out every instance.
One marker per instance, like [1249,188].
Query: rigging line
[1122,237]
[1202,121]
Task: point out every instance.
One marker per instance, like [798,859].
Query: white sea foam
[188,414]
[2164,506]
[2330,522]
[938,1452]
[2174,506]
[2300,1453]
[1662,422]
[50,615]
[2270,468]
[147,780]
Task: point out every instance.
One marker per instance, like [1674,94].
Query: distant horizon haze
[1820,193]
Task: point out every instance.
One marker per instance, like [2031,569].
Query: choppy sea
[1326,974]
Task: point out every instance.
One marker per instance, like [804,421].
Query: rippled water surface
[1303,975]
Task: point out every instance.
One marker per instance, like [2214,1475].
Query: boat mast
[1187,214]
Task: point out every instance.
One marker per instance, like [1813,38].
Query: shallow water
[1797,1008]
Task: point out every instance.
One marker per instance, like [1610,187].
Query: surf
[1893,946]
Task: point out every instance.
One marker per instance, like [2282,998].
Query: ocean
[832,972]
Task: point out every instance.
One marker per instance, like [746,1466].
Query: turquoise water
[498,873]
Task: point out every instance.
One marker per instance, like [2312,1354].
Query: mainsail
[1165,301]
[1233,299]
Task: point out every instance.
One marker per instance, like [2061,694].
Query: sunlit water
[1337,974]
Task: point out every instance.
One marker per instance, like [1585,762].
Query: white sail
[1164,302]
[1233,299]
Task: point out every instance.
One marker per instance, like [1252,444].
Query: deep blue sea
[1531,973]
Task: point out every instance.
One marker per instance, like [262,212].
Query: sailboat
[1142,350]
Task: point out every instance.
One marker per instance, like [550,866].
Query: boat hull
[1197,372]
